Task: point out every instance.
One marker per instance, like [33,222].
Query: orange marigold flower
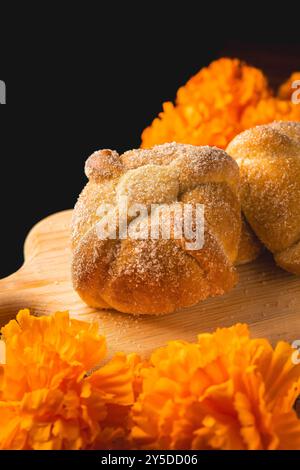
[49,398]
[210,109]
[268,110]
[226,391]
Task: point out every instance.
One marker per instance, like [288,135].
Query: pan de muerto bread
[250,247]
[156,276]
[269,161]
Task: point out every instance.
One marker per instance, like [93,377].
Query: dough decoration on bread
[269,161]
[156,276]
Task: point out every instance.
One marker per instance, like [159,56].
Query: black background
[79,81]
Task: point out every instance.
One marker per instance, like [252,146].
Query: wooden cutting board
[266,298]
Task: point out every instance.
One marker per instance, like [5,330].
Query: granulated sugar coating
[291,129]
[269,161]
[157,276]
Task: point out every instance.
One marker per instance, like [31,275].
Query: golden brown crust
[289,128]
[249,247]
[103,164]
[289,259]
[223,218]
[269,161]
[157,276]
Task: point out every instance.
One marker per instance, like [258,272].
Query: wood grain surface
[267,298]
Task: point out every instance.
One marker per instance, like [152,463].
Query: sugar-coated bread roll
[249,247]
[269,161]
[156,276]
